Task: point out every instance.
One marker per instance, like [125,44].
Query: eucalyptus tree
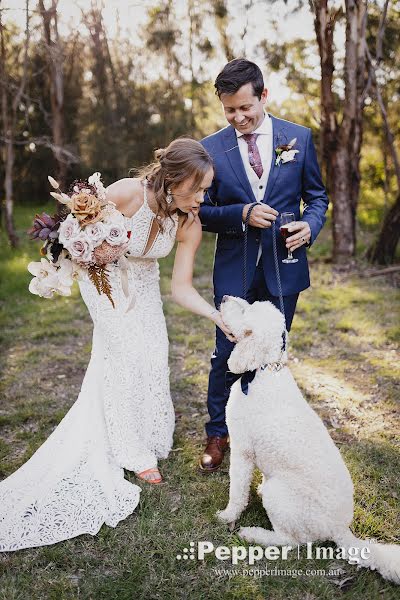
[383,54]
[13,81]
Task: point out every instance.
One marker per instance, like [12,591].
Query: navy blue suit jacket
[287,185]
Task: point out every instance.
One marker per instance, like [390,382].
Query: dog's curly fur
[306,489]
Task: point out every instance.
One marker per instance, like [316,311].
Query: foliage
[126,96]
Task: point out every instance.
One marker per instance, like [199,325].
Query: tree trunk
[355,79]
[221,19]
[57,109]
[191,66]
[99,49]
[343,221]
[9,107]
[324,27]
[350,133]
[383,251]
[341,143]
[56,82]
[8,151]
[9,192]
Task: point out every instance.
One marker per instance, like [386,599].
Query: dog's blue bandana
[245,379]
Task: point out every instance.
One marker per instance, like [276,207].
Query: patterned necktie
[254,154]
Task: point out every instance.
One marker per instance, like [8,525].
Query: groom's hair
[236,73]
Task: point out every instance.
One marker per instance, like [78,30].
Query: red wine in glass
[285,232]
[285,219]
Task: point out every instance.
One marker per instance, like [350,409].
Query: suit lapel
[233,154]
[274,171]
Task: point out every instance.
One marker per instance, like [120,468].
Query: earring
[169,196]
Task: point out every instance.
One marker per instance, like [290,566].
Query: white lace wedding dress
[123,417]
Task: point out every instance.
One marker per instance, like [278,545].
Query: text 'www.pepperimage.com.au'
[266,571]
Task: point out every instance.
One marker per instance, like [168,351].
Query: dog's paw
[227,516]
[246,533]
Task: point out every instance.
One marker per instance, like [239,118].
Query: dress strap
[145,184]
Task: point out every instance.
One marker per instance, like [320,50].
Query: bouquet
[87,236]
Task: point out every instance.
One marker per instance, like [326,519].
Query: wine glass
[286,218]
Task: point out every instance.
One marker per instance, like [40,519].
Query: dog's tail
[385,558]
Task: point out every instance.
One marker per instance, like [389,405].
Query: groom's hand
[301,235]
[261,216]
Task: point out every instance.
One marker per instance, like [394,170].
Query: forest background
[91,86]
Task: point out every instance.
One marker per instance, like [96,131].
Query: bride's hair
[182,159]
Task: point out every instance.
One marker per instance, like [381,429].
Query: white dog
[306,489]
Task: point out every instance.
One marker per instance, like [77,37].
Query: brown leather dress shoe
[213,453]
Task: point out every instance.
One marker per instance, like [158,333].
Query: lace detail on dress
[123,417]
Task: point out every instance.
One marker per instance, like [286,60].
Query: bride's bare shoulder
[127,194]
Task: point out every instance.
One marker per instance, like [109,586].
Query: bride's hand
[217,318]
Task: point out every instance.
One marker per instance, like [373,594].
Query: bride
[123,417]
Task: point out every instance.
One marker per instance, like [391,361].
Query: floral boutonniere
[284,152]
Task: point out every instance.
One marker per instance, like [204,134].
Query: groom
[247,171]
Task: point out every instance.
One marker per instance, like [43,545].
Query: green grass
[344,354]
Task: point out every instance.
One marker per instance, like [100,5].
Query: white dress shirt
[264,144]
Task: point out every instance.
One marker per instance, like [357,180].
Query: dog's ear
[268,325]
[244,355]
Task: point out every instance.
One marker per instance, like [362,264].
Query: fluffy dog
[306,489]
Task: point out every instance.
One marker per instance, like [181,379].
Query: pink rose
[117,235]
[97,232]
[69,230]
[81,249]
